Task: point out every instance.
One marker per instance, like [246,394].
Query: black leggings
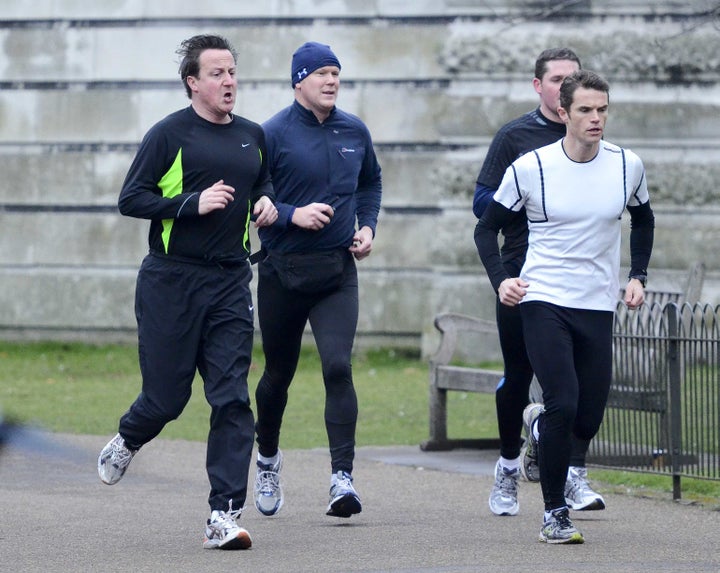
[571,353]
[333,317]
[511,395]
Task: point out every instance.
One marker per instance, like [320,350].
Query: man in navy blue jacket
[328,186]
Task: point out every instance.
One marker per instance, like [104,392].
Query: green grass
[80,388]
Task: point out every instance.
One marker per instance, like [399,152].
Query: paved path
[423,512]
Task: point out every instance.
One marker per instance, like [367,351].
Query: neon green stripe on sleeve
[171,185]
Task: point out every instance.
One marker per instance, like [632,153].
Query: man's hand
[265,212]
[313,216]
[362,243]
[216,197]
[512,291]
[634,294]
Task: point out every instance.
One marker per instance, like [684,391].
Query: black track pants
[196,317]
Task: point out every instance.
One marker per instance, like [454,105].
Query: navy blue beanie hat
[308,58]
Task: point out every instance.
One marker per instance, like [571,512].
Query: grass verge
[84,389]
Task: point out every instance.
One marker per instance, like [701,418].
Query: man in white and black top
[574,193]
[532,130]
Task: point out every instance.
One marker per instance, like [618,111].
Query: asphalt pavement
[422,512]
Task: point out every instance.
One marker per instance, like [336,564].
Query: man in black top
[532,130]
[199,176]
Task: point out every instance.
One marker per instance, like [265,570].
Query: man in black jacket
[199,175]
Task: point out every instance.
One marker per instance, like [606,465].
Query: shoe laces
[562,518]
[344,482]
[578,481]
[267,480]
[227,519]
[120,454]
[506,482]
[224,522]
[234,514]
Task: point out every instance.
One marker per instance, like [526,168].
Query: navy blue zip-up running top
[332,162]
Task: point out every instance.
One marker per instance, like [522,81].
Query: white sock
[334,478]
[510,464]
[268,461]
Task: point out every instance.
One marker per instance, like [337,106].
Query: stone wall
[81,82]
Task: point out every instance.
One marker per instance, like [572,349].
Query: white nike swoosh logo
[245,144]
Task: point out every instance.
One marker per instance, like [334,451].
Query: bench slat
[467,379]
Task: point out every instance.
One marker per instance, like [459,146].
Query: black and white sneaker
[529,452]
[504,494]
[268,492]
[114,459]
[223,532]
[558,528]
[344,500]
[578,493]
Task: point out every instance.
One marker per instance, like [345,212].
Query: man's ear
[537,84]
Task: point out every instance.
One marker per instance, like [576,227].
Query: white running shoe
[504,494]
[113,460]
[578,493]
[559,528]
[529,452]
[344,500]
[267,491]
[223,532]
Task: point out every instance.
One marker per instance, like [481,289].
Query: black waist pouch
[309,272]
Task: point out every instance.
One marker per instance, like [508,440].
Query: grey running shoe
[529,466]
[344,500]
[267,491]
[578,493]
[529,452]
[503,496]
[114,459]
[560,529]
[223,532]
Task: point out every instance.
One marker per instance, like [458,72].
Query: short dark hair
[550,55]
[581,79]
[190,50]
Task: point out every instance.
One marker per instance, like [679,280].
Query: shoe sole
[344,506]
[574,539]
[595,505]
[507,513]
[242,541]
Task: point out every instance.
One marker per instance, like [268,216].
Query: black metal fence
[663,413]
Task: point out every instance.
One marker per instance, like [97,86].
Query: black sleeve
[141,196]
[263,184]
[495,217]
[642,234]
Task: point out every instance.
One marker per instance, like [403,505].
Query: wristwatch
[641,278]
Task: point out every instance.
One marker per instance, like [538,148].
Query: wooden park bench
[446,377]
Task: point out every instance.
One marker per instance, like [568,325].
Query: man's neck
[580,152]
[549,114]
[219,118]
